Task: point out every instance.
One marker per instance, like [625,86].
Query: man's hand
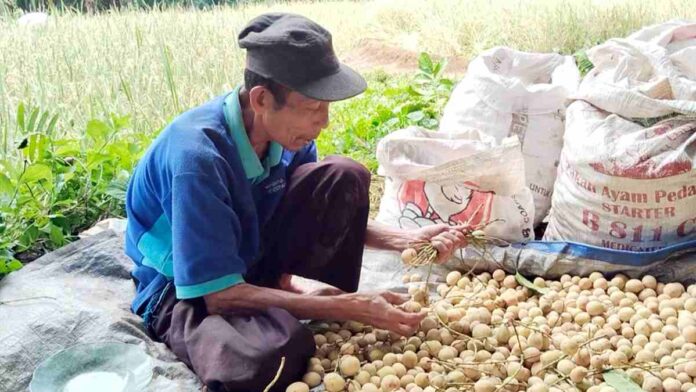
[446,239]
[380,311]
[381,306]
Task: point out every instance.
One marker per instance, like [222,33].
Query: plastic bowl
[104,367]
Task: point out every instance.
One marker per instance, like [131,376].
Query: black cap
[298,53]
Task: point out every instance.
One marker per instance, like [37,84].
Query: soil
[376,191]
[30,255]
[371,54]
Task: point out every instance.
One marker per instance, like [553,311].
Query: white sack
[455,177]
[652,73]
[631,184]
[507,92]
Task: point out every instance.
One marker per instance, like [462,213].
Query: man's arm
[376,310]
[381,236]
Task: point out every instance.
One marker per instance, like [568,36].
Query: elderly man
[229,204]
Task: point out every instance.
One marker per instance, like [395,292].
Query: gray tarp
[81,294]
[382,270]
[89,292]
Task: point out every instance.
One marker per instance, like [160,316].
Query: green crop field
[82,97]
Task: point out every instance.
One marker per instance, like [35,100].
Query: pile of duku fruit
[500,332]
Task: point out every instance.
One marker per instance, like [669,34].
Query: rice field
[153,64]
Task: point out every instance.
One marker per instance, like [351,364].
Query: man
[229,205]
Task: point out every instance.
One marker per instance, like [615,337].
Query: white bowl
[104,367]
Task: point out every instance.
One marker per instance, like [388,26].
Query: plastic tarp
[78,294]
[676,263]
[82,292]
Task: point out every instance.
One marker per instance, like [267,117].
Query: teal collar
[255,170]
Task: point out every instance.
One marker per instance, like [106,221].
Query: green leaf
[417,91]
[526,283]
[117,189]
[441,66]
[56,235]
[134,149]
[94,160]
[583,62]
[119,151]
[97,130]
[67,148]
[64,203]
[425,63]
[28,237]
[37,172]
[437,68]
[416,116]
[392,123]
[64,178]
[14,265]
[429,123]
[36,148]
[42,122]
[52,125]
[32,120]
[120,122]
[20,115]
[620,381]
[446,84]
[5,184]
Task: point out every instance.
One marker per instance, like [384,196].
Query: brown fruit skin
[349,365]
[312,379]
[673,290]
[646,325]
[297,387]
[412,307]
[334,382]
[409,359]
[408,255]
[390,383]
[578,374]
[422,380]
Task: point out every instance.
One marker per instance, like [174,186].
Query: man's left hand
[446,239]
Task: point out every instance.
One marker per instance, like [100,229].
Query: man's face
[298,122]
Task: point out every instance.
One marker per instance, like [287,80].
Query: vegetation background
[82,96]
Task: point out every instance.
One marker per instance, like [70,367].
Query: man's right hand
[379,310]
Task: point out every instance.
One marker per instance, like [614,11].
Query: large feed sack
[627,174]
[508,92]
[452,178]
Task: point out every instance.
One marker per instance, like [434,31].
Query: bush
[61,185]
[388,104]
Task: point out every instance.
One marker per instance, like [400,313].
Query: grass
[106,84]
[150,65]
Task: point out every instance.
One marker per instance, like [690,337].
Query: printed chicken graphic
[422,203]
[665,150]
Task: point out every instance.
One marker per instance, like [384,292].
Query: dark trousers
[318,232]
